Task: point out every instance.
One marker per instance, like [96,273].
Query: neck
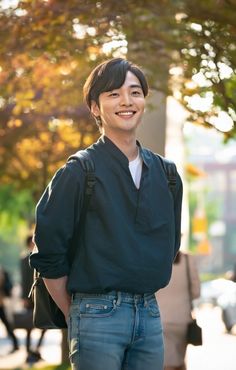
[127,144]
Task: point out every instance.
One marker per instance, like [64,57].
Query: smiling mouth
[126,113]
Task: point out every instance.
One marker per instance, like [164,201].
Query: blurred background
[188,52]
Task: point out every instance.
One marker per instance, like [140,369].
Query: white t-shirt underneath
[135,168]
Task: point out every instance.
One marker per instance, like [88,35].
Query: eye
[113,94]
[136,92]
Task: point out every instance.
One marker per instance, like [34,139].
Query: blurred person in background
[234,274]
[27,274]
[175,307]
[5,291]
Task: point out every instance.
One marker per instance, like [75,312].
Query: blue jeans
[115,331]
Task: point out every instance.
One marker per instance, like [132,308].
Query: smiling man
[129,239]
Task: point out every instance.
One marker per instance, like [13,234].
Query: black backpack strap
[89,168]
[171,172]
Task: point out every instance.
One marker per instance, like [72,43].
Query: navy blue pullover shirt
[130,236]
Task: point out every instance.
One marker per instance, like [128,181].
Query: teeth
[125,113]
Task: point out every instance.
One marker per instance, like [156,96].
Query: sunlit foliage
[47,49]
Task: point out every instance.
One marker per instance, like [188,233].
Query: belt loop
[119,296]
[145,298]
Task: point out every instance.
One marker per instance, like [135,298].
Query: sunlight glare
[222,122]
[115,44]
[196,27]
[225,71]
[201,80]
[202,104]
[6,4]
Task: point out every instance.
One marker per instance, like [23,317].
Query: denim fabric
[115,331]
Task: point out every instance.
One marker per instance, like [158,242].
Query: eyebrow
[136,86]
[132,86]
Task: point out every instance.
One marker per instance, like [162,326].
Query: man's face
[121,109]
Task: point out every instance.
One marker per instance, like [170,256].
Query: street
[219,348]
[217,353]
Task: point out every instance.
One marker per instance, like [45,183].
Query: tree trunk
[152,131]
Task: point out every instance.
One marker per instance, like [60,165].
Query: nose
[126,99]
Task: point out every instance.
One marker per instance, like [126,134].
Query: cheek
[106,109]
[142,106]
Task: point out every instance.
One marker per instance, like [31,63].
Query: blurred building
[218,160]
[165,131]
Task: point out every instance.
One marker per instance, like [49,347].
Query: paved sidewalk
[219,348]
[50,351]
[217,353]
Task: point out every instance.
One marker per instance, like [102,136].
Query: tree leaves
[47,49]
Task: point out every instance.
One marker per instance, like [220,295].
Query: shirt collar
[105,142]
[145,155]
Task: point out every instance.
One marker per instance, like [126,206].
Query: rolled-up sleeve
[57,215]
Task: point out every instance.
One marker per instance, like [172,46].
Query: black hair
[110,75]
[28,240]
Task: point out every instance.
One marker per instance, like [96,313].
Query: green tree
[48,47]
[160,35]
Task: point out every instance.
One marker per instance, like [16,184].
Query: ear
[95,109]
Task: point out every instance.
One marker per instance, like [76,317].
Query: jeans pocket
[73,323]
[96,307]
[153,308]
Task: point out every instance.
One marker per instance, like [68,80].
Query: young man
[129,239]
